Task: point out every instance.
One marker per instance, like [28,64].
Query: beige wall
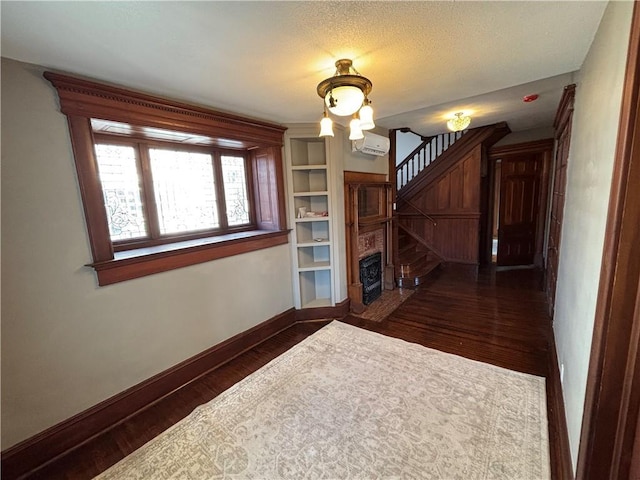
[66,343]
[593,142]
[525,136]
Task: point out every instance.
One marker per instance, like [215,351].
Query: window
[159,193]
[166,185]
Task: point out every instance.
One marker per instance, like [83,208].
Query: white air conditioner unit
[372,144]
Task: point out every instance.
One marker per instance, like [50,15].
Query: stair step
[406,248]
[418,278]
[411,259]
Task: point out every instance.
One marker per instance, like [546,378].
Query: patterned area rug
[347,403]
[382,307]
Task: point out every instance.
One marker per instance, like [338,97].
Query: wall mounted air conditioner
[372,144]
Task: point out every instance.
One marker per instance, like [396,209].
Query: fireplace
[371,277]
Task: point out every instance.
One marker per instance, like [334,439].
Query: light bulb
[355,130]
[366,117]
[326,126]
[346,100]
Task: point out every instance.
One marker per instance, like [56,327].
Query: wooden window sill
[141,262]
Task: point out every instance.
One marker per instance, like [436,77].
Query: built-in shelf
[312,245]
[315,288]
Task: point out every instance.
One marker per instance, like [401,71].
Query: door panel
[519,192]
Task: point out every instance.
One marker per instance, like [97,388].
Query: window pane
[235,190]
[121,190]
[184,191]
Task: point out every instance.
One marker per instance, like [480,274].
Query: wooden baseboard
[340,310]
[31,454]
[561,467]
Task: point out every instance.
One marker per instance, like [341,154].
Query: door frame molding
[544,148]
[612,401]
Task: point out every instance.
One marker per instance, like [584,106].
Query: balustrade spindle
[423,156]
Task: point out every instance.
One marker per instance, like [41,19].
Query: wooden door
[519,204]
[563,137]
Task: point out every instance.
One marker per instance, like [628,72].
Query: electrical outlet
[562,373]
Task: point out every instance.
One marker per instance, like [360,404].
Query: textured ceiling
[264,59]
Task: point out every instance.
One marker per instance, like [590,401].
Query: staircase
[416,262]
[437,215]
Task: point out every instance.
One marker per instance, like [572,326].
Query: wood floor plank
[499,318]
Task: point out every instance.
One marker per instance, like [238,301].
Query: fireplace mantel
[368,216]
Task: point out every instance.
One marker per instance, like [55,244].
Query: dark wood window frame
[81,100]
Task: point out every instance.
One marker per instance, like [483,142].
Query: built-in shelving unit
[309,197]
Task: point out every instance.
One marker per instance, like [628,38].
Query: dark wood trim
[518,148]
[320,313]
[565,108]
[441,215]
[129,267]
[544,150]
[86,98]
[90,189]
[81,100]
[612,398]
[35,452]
[561,468]
[558,172]
[363,177]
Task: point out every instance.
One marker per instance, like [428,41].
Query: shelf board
[311,267]
[311,194]
[313,244]
[311,219]
[309,167]
[318,302]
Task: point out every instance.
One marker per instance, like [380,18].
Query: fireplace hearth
[371,277]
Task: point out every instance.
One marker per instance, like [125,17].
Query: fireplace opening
[371,277]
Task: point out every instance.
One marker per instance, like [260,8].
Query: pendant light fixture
[460,121]
[344,94]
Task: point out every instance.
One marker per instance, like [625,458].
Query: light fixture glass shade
[326,126]
[347,100]
[355,130]
[459,122]
[366,117]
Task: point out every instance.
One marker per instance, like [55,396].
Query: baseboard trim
[561,466]
[26,457]
[338,311]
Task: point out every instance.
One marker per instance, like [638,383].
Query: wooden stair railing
[417,209]
[423,155]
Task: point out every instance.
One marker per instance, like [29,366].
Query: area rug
[347,403]
[382,307]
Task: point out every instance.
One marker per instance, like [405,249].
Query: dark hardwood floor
[500,318]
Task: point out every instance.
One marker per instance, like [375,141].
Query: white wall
[66,343]
[406,142]
[593,142]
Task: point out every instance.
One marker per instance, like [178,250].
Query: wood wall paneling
[453,200]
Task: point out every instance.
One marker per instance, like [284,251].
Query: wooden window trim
[81,100]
